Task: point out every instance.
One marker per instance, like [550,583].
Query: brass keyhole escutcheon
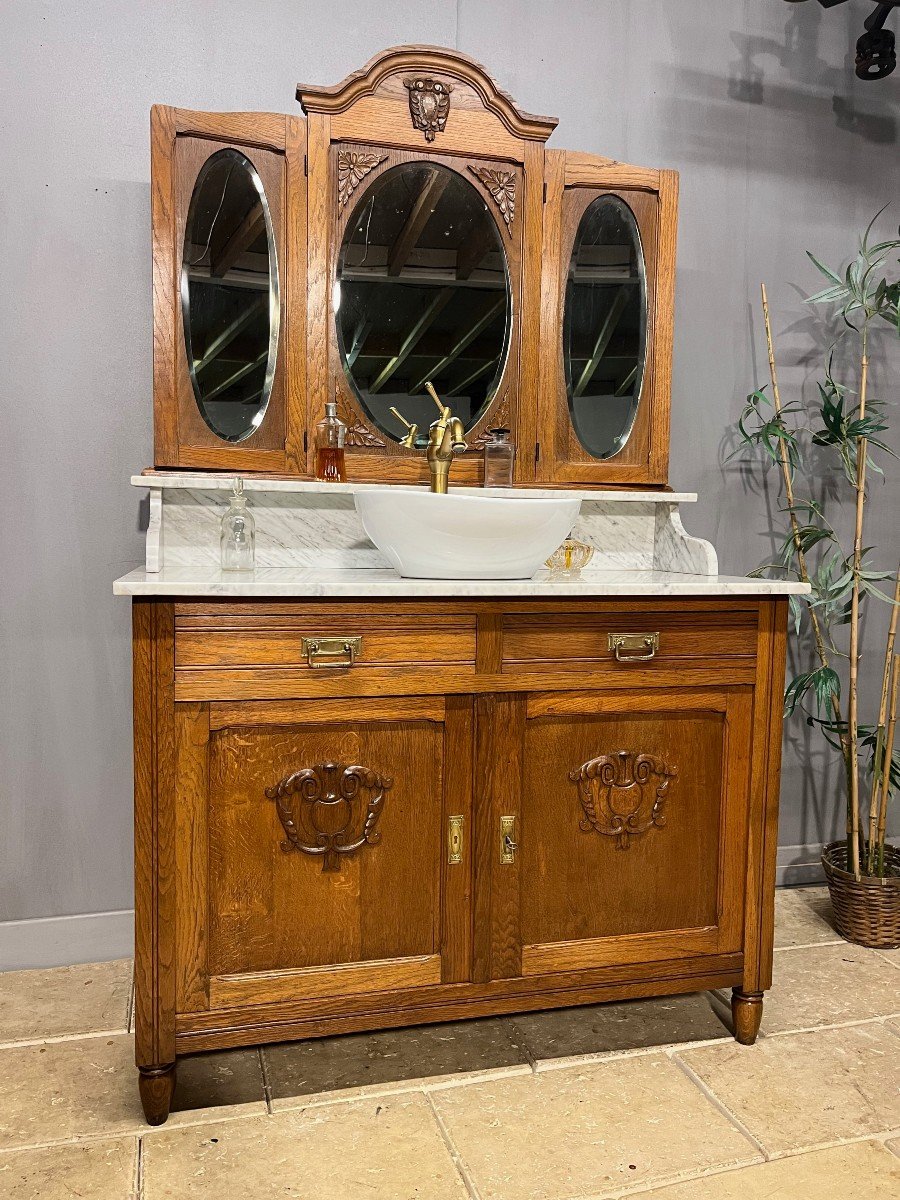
[455,840]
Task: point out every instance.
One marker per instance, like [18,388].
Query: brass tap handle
[442,408]
[409,439]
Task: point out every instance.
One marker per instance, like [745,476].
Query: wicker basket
[867,910]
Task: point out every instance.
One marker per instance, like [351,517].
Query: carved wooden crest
[353,167]
[429,104]
[330,809]
[502,188]
[622,794]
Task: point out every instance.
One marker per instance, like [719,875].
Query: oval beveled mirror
[229,296]
[605,326]
[422,294]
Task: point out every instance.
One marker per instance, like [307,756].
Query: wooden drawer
[708,638]
[262,650]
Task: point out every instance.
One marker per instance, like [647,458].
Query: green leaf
[826,271]
[796,613]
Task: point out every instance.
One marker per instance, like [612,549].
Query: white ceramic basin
[465,536]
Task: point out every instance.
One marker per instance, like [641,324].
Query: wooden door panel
[581,883]
[630,832]
[325,849]
[274,908]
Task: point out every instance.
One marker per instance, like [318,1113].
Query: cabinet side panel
[154,832]
[777,637]
[191,854]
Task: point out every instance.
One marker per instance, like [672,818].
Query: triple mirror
[410,226]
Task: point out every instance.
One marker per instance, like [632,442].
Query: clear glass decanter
[499,456]
[237,542]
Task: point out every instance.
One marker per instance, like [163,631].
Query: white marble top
[198,481]
[342,583]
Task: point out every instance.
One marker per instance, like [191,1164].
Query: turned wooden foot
[156,1086]
[746,1013]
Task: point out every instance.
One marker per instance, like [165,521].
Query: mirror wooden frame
[392,111]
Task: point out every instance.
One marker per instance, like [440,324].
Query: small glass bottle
[499,455]
[330,434]
[237,541]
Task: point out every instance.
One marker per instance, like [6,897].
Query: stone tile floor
[645,1098]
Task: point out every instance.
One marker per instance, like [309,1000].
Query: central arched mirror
[422,293]
[605,326]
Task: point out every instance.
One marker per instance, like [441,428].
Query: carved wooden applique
[330,809]
[502,188]
[429,104]
[622,794]
[353,167]
[499,420]
[358,433]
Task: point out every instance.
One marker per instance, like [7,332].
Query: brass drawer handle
[646,644]
[331,651]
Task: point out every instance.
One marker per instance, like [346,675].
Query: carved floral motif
[358,433]
[330,809]
[429,104]
[499,420]
[622,794]
[353,167]
[502,188]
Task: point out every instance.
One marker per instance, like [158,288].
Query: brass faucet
[445,438]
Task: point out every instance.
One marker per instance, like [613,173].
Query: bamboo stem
[886,774]
[853,705]
[880,734]
[795,528]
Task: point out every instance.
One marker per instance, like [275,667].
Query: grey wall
[755,103]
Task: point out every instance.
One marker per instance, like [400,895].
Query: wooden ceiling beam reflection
[473,252]
[243,237]
[230,332]
[460,387]
[236,377]
[469,336]
[607,329]
[419,216]
[429,314]
[360,333]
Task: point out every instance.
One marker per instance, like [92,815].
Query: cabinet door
[313,848]
[626,815]
[606,320]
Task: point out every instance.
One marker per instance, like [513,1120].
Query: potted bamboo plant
[847,425]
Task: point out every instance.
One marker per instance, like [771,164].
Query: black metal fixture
[876,54]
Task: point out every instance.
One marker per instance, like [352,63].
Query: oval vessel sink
[428,536]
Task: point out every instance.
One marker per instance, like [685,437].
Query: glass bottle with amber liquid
[330,434]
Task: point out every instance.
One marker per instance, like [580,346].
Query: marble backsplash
[321,529]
